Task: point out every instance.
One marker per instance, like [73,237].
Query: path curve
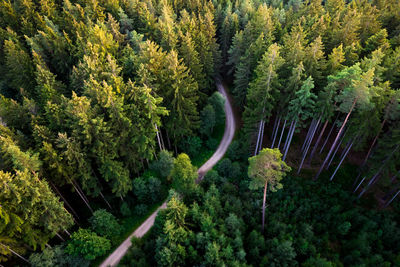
[230,127]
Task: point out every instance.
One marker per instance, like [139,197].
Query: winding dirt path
[230,127]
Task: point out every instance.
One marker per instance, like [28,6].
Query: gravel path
[230,127]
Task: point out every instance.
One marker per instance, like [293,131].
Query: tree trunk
[308,145]
[280,138]
[391,200]
[336,139]
[276,132]
[82,196]
[288,136]
[258,138]
[273,130]
[262,136]
[64,200]
[317,143]
[290,140]
[263,208]
[336,150]
[310,129]
[362,180]
[158,138]
[340,163]
[373,143]
[329,134]
[105,200]
[169,141]
[15,253]
[59,236]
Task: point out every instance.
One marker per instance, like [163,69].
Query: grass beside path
[129,225]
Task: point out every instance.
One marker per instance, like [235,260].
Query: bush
[191,145]
[163,165]
[87,244]
[105,224]
[141,209]
[147,190]
[56,256]
[125,210]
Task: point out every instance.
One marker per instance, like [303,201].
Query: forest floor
[230,128]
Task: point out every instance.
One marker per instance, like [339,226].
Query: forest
[108,108]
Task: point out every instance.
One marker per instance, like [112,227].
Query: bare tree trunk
[340,163]
[373,143]
[288,136]
[276,132]
[391,200]
[162,139]
[336,139]
[68,233]
[169,141]
[310,129]
[105,200]
[273,130]
[82,196]
[258,138]
[59,236]
[158,138]
[317,143]
[336,150]
[329,134]
[262,136]
[280,138]
[263,208]
[308,145]
[15,253]
[64,200]
[290,140]
[362,180]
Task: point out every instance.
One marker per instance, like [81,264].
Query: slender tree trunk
[68,233]
[290,140]
[162,139]
[15,253]
[336,150]
[59,236]
[283,130]
[373,143]
[169,141]
[336,139]
[378,172]
[262,136]
[158,138]
[276,132]
[273,130]
[329,134]
[317,142]
[105,200]
[310,129]
[362,180]
[340,163]
[263,209]
[287,137]
[48,246]
[64,200]
[82,196]
[258,138]
[308,146]
[391,200]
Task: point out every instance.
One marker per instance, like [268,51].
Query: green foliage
[105,224]
[56,256]
[208,120]
[87,244]
[164,164]
[183,175]
[147,190]
[267,168]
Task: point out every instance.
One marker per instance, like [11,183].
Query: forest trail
[230,127]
